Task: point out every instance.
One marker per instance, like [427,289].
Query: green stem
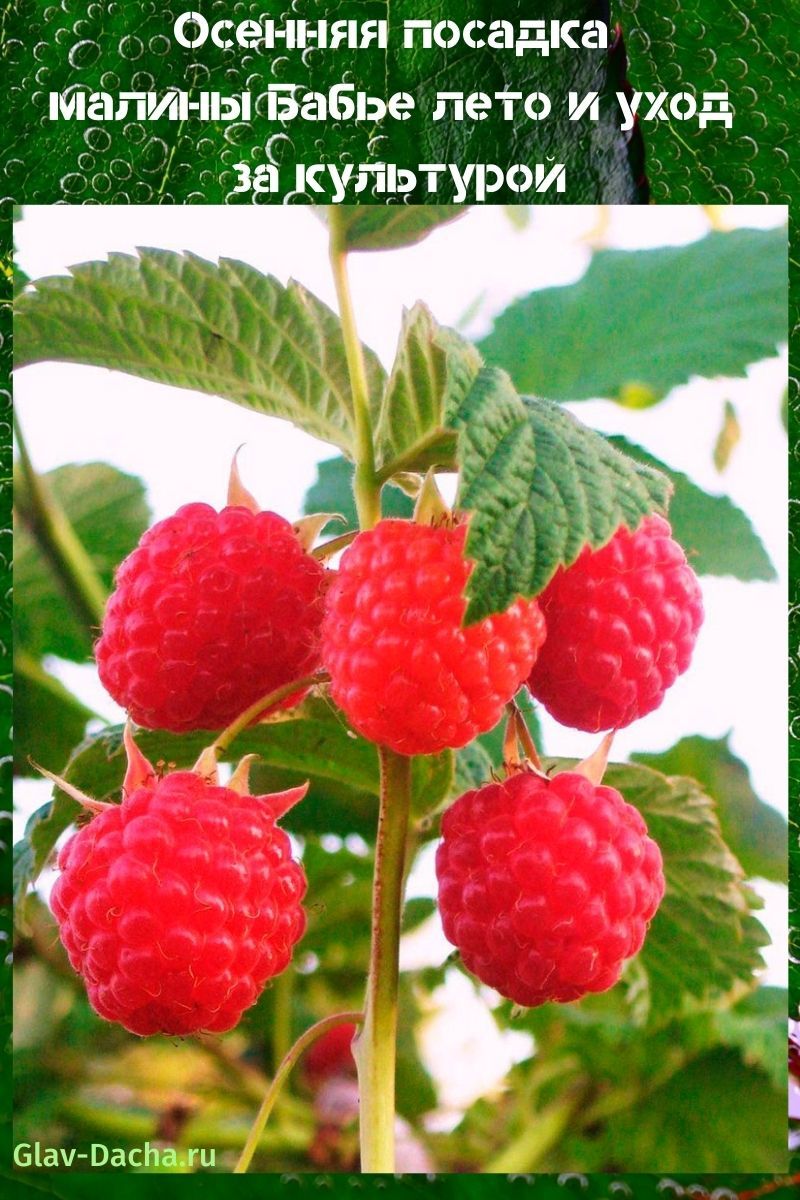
[268,1103]
[263,705]
[375,1048]
[59,542]
[526,1152]
[282,1016]
[365,483]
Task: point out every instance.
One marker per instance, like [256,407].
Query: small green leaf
[21,280]
[757,1028]
[223,328]
[332,491]
[474,768]
[606,332]
[390,226]
[540,486]
[417,910]
[48,720]
[755,831]
[421,388]
[518,216]
[716,535]
[108,512]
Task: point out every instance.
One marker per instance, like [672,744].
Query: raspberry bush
[391,671]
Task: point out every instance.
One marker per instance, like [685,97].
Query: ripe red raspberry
[546,886]
[622,622]
[177,905]
[403,668]
[332,1054]
[211,611]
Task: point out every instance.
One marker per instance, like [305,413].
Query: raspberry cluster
[211,611]
[177,905]
[403,667]
[546,886]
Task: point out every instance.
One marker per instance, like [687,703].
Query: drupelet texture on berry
[546,886]
[177,905]
[622,623]
[211,611]
[403,669]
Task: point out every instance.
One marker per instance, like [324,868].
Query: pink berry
[177,905]
[403,667]
[622,622]
[546,886]
[332,1054]
[210,612]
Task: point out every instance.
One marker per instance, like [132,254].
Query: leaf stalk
[58,540]
[366,487]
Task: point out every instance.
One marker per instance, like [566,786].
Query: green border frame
[537,1187]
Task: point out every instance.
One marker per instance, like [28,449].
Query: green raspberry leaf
[670,1128]
[716,535]
[703,945]
[757,1028]
[606,334]
[755,831]
[540,486]
[433,368]
[223,328]
[108,512]
[48,719]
